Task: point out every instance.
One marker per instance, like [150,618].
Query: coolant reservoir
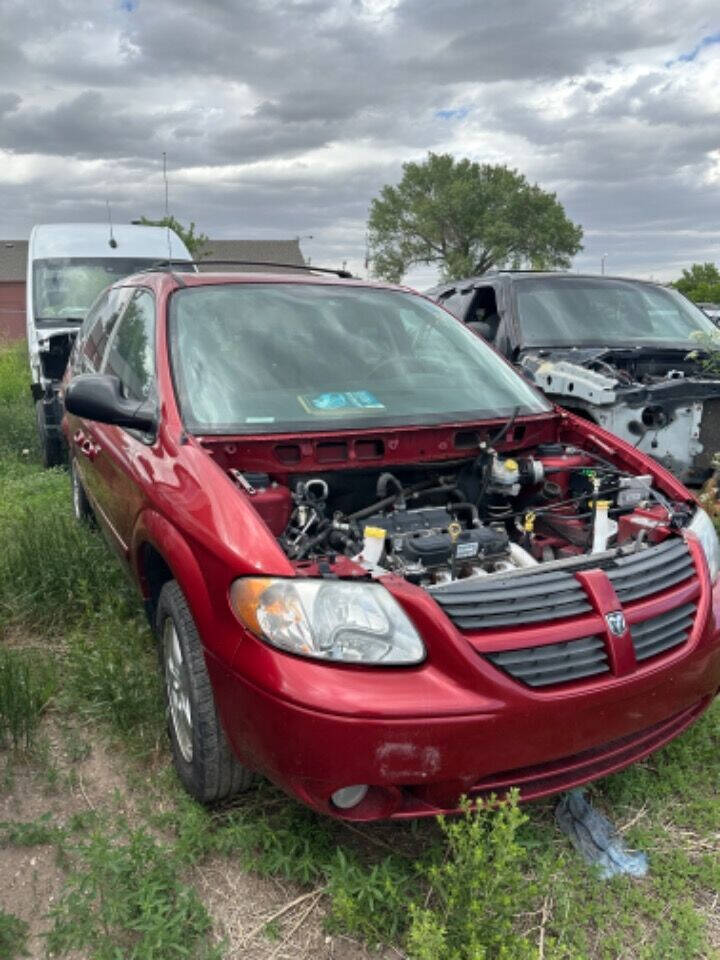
[373,544]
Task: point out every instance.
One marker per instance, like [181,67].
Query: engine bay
[474,517]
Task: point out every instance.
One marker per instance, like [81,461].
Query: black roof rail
[168,264]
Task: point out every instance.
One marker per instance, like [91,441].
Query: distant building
[13,264]
[13,267]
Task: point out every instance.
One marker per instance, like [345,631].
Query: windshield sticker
[334,404]
[259,419]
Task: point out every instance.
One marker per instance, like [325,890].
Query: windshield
[580,311]
[269,358]
[64,288]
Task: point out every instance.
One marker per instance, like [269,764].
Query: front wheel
[201,753]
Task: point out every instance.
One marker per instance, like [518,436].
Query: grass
[17,425]
[13,936]
[27,683]
[497,884]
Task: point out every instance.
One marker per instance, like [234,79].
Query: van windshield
[64,288]
[582,311]
[285,357]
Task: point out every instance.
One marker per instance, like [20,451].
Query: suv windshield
[64,288]
[580,311]
[269,358]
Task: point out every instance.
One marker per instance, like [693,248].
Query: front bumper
[422,737]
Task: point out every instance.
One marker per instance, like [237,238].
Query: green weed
[31,833]
[27,682]
[124,898]
[475,893]
[13,936]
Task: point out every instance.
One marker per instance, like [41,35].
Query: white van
[69,264]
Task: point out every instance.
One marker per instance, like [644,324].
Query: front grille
[554,662]
[662,633]
[650,571]
[539,593]
[478,605]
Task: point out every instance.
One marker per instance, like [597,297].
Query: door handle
[89,449]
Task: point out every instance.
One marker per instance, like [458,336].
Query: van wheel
[201,753]
[82,511]
[51,451]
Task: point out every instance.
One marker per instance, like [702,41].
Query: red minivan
[382,569]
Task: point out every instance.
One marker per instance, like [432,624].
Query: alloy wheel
[177,683]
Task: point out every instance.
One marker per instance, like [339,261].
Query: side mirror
[95,396]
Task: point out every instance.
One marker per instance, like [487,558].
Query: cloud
[285,117]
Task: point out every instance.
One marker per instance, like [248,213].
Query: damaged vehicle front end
[383,570]
[625,354]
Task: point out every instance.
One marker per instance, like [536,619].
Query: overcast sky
[285,118]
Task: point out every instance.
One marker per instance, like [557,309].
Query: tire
[201,753]
[82,511]
[51,450]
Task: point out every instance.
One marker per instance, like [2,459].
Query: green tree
[195,242]
[700,283]
[467,217]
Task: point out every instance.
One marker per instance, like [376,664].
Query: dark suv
[383,570]
[625,354]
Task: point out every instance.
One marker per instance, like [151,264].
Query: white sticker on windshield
[259,419]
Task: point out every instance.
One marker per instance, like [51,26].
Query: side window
[131,351]
[97,328]
[483,317]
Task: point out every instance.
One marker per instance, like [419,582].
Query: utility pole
[603,258]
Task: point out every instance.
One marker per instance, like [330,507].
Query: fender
[151,527]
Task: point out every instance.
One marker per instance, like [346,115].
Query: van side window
[131,351]
[483,317]
[97,328]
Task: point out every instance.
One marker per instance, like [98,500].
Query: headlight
[704,529]
[330,620]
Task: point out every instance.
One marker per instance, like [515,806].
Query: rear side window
[98,326]
[131,352]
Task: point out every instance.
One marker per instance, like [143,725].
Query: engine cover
[421,536]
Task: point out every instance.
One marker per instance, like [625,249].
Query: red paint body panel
[422,735]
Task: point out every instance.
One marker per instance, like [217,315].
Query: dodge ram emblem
[616,622]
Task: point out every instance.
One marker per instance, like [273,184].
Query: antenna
[167,210]
[112,242]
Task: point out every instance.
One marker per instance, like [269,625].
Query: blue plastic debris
[596,838]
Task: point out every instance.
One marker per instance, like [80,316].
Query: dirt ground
[240,903]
